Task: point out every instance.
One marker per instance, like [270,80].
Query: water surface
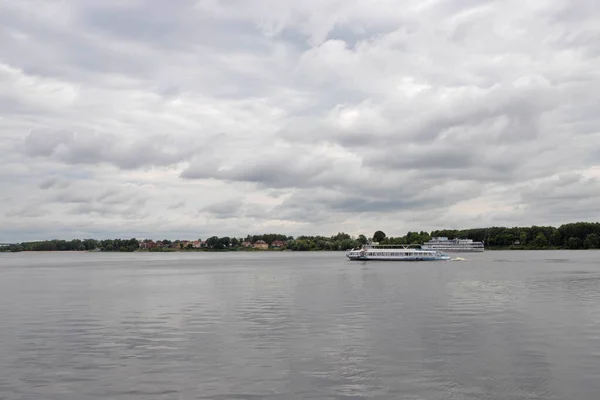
[500,325]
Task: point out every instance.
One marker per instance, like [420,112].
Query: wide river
[500,325]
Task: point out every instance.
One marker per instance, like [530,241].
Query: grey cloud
[31,211]
[96,148]
[565,12]
[109,194]
[565,190]
[116,196]
[48,183]
[568,197]
[93,199]
[509,113]
[66,197]
[132,41]
[108,211]
[39,143]
[54,182]
[164,25]
[176,206]
[319,204]
[225,209]
[423,158]
[461,160]
[271,170]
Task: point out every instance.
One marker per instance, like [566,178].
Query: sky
[187,119]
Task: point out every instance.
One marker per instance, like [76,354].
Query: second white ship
[453,245]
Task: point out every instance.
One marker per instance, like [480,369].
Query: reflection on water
[500,325]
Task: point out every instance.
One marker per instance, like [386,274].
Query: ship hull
[412,256]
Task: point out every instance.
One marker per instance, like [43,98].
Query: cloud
[95,148]
[208,117]
[176,206]
[224,209]
[28,212]
[54,182]
[273,167]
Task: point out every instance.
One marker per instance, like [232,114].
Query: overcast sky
[184,119]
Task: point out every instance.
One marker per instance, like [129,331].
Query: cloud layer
[124,118]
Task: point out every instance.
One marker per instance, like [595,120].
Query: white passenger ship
[394,253]
[453,245]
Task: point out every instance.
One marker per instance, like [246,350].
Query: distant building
[261,244]
[196,244]
[278,243]
[246,244]
[150,244]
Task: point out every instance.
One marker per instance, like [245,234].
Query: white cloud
[211,117]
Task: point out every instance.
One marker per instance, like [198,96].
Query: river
[499,325]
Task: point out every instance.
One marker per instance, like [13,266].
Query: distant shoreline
[571,236]
[272,251]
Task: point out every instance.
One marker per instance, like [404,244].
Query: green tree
[540,241]
[212,241]
[378,236]
[362,239]
[574,243]
[523,238]
[592,241]
[345,244]
[341,236]
[224,242]
[556,238]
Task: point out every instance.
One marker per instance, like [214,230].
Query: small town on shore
[216,242]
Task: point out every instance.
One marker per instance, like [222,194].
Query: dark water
[502,325]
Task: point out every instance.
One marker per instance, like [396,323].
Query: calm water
[501,325]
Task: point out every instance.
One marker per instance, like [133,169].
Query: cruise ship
[453,245]
[394,253]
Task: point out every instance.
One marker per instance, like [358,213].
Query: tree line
[122,245]
[579,235]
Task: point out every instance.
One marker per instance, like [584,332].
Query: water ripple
[290,326]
